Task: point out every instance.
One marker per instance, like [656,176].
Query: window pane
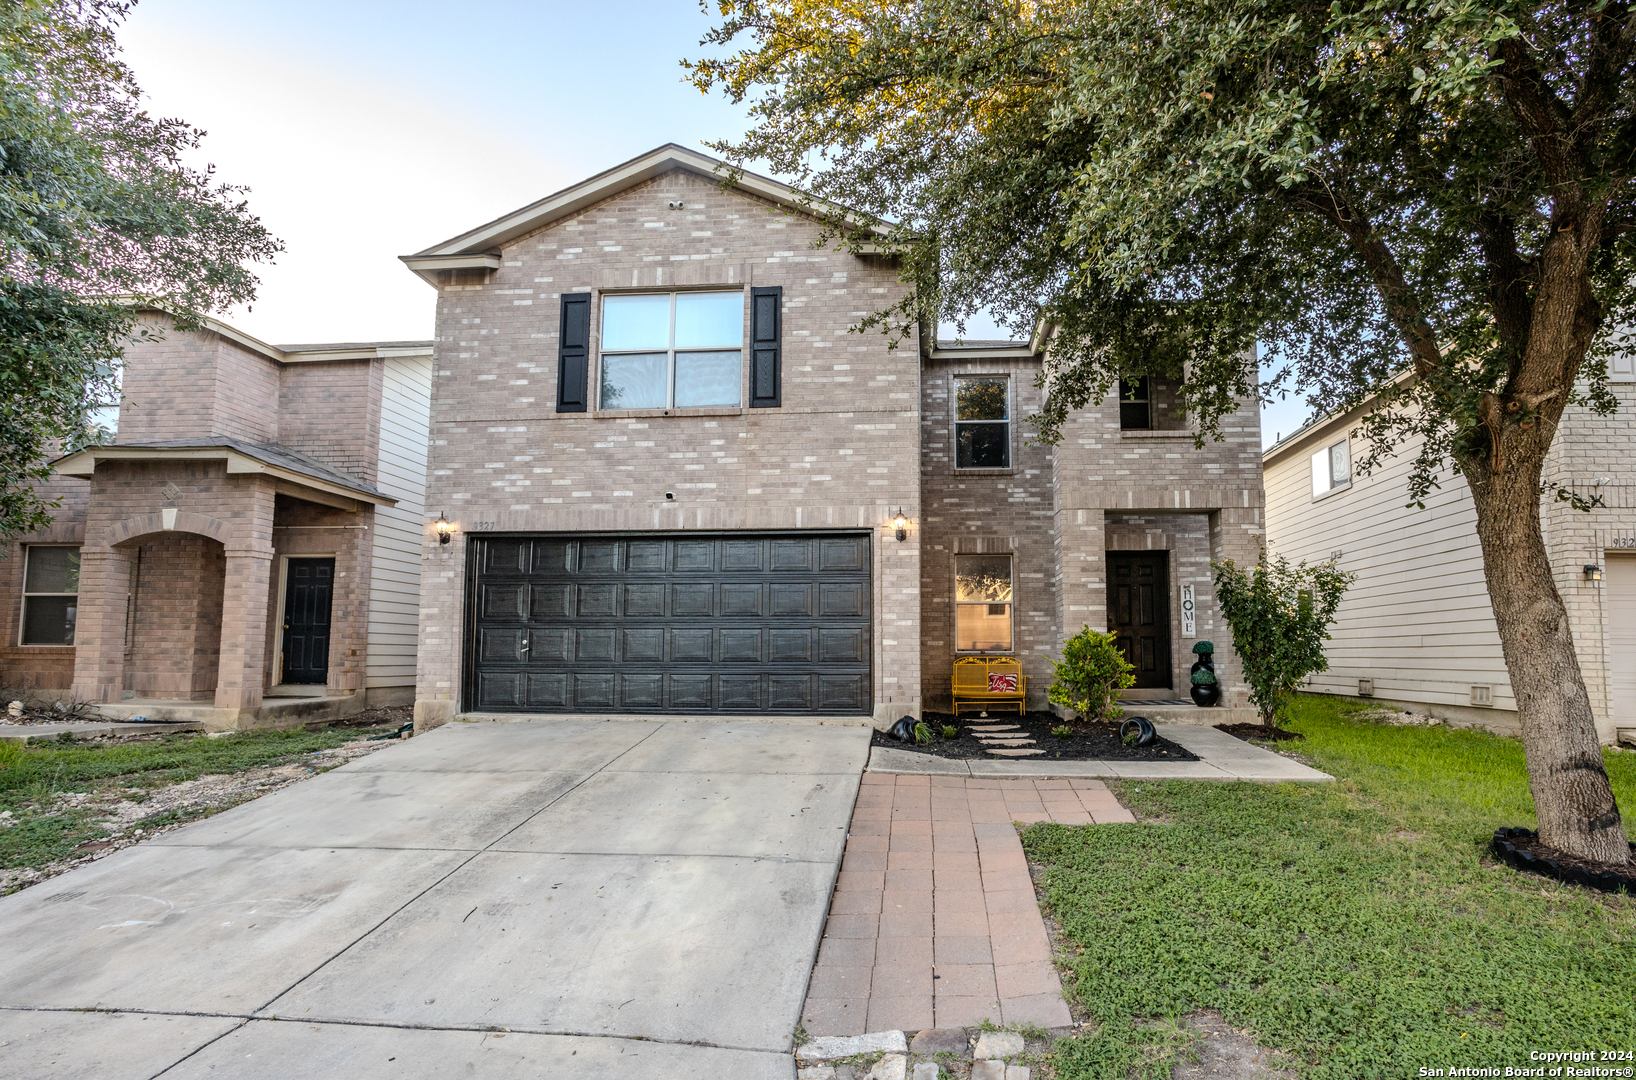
[983,577]
[53,569]
[1340,470]
[1320,474]
[633,382]
[980,399]
[982,446]
[636,322]
[709,320]
[982,627]
[708,378]
[49,620]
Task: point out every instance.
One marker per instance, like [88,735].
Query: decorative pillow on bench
[1002,683]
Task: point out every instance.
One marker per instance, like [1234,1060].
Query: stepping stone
[992,741]
[1016,753]
[994,727]
[998,1044]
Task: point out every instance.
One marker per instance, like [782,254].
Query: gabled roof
[481,246]
[279,462]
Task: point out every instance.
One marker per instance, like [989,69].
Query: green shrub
[1090,674]
[923,733]
[950,731]
[1203,678]
[1062,731]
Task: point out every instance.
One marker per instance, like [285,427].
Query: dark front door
[306,620]
[691,623]
[1139,612]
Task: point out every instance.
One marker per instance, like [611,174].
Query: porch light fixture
[445,529]
[1593,572]
[901,524]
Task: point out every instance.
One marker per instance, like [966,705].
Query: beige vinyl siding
[1417,620]
[394,590]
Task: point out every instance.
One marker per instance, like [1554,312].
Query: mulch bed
[1258,731]
[1089,742]
[1521,850]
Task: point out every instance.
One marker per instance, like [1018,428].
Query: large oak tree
[1424,203]
[100,215]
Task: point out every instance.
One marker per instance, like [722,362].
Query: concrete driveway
[564,898]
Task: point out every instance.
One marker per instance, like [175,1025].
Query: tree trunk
[1572,796]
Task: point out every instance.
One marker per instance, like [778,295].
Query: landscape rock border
[1563,868]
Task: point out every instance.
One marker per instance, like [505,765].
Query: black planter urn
[1205,691]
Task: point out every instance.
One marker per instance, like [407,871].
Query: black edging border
[1508,853]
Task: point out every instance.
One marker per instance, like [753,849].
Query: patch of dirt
[1088,742]
[1522,849]
[38,710]
[1249,732]
[1384,714]
[130,814]
[1226,1051]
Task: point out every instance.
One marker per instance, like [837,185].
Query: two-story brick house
[247,550]
[669,477]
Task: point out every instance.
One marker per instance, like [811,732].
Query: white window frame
[671,350]
[1011,614]
[22,611]
[1324,481]
[955,422]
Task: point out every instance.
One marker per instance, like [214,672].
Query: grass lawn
[32,778]
[1360,926]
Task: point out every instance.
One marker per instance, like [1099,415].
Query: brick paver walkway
[934,922]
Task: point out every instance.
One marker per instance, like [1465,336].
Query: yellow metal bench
[971,683]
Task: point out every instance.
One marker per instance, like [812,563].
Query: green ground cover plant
[32,777]
[1360,926]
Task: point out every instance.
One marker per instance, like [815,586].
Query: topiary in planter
[1205,691]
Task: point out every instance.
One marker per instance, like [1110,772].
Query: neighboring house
[1417,629]
[673,479]
[247,550]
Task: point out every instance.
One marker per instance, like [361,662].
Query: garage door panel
[741,600]
[645,598]
[741,646]
[691,646]
[694,623]
[596,599]
[593,693]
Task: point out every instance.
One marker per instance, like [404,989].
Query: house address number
[1624,542]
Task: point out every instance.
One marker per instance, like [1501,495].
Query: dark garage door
[713,623]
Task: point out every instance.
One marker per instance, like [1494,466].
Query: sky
[366,131]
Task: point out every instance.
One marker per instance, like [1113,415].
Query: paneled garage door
[713,623]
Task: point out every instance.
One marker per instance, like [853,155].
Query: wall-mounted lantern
[1593,572]
[445,529]
[901,524]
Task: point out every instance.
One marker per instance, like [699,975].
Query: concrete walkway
[554,897]
[1221,757]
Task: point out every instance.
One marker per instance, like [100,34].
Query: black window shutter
[574,352]
[766,348]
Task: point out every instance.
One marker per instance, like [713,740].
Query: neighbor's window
[672,350]
[1331,469]
[1135,404]
[982,603]
[51,585]
[982,422]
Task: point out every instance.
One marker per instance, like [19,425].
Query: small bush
[1090,674]
[950,731]
[923,733]
[1062,731]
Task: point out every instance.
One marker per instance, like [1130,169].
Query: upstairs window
[51,585]
[672,350]
[982,422]
[982,603]
[1135,404]
[1331,469]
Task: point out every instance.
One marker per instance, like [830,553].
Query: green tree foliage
[1426,207]
[1280,616]
[1090,675]
[99,216]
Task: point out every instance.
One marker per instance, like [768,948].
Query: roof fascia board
[485,238]
[82,465]
[1016,352]
[278,355]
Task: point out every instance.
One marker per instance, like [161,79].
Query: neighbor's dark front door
[306,620]
[1139,612]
